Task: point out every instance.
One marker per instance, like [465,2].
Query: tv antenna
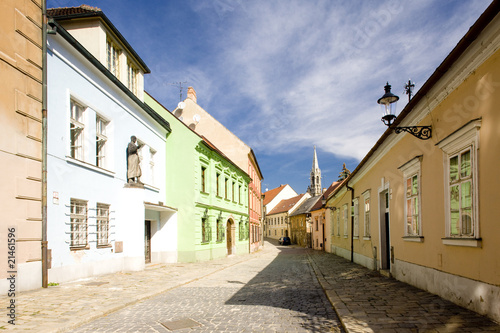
[179,84]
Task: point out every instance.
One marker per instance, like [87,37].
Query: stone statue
[133,161]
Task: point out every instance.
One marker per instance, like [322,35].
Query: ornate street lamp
[388,101]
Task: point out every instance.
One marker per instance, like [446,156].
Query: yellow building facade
[21,141]
[424,211]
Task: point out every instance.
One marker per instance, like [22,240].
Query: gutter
[44,147]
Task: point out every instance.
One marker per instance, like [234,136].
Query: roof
[306,205]
[271,194]
[87,55]
[482,22]
[324,196]
[85,11]
[286,204]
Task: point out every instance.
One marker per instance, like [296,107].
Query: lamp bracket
[420,132]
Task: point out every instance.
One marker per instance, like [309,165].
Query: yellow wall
[21,135]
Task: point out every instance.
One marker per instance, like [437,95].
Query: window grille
[102,224]
[78,223]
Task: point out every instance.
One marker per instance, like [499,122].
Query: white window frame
[411,169]
[77,123]
[467,137]
[102,217]
[79,237]
[355,203]
[101,140]
[345,216]
[152,154]
[338,222]
[113,53]
[132,73]
[366,210]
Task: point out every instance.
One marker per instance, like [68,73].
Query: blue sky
[287,75]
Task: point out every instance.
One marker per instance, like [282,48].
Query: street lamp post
[388,101]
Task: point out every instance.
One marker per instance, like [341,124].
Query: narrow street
[273,292]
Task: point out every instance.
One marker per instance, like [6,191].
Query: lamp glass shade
[388,103]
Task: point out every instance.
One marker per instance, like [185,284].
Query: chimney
[191,94]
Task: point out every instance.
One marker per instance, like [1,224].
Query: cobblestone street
[277,289]
[266,294]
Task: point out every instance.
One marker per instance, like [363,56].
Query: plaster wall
[72,77]
[20,139]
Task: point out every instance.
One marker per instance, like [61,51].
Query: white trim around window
[460,156]
[412,186]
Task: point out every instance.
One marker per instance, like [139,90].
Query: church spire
[315,188]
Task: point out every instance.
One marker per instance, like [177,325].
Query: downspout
[44,146]
[352,220]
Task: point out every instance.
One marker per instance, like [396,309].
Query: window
[132,77]
[242,230]
[460,180]
[234,190]
[411,178]
[460,152]
[356,217]
[102,224]
[239,194]
[217,184]
[203,172]
[206,234]
[317,225]
[225,188]
[112,58]
[338,222]
[77,128]
[100,141]
[345,220]
[366,197]
[220,230]
[78,223]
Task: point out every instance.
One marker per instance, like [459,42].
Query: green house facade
[209,192]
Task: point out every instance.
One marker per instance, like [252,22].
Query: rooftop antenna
[409,89]
[179,84]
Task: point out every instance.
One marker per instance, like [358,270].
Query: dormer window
[132,77]
[112,58]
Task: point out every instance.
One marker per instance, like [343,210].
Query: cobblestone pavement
[275,289]
[270,293]
[369,302]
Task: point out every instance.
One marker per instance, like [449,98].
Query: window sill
[469,242]
[204,193]
[345,236]
[367,238]
[79,248]
[355,237]
[417,239]
[152,188]
[104,246]
[89,166]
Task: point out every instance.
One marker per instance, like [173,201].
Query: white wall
[69,75]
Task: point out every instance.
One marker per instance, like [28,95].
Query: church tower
[315,188]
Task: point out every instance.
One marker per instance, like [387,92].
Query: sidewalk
[69,305]
[364,300]
[368,302]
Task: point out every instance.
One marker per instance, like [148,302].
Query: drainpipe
[352,220]
[44,146]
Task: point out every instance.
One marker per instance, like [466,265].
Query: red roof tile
[285,205]
[271,194]
[64,11]
[324,196]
